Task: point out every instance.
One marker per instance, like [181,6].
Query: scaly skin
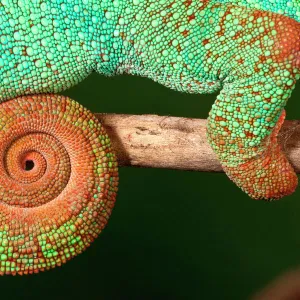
[52,211]
[250,50]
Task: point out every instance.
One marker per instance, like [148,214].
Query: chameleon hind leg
[248,113]
[244,135]
[268,175]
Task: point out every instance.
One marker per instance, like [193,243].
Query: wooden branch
[177,143]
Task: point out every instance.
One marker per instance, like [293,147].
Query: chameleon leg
[269,175]
[58,182]
[248,113]
[244,135]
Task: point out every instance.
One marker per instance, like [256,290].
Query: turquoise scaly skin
[250,50]
[251,55]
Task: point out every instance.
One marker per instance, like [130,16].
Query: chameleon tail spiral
[58,182]
[58,173]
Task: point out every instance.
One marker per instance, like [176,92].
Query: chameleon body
[250,50]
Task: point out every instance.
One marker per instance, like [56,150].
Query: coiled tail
[58,182]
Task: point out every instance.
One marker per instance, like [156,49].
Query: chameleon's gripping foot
[267,176]
[58,182]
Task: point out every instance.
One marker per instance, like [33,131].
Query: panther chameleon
[58,172]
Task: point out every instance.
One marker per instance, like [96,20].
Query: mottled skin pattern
[250,50]
[52,211]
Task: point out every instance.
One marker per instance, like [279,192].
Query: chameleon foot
[58,182]
[269,175]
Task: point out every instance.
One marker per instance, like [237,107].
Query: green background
[172,234]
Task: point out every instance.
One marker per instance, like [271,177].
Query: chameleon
[59,173]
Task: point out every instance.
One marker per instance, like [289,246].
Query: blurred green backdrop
[172,234]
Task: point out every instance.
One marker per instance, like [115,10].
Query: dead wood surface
[177,143]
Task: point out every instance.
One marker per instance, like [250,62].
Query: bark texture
[177,143]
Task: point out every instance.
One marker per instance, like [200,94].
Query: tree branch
[177,143]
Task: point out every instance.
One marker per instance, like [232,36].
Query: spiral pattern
[58,182]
